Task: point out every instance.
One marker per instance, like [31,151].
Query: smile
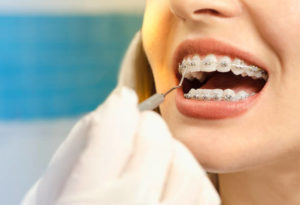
[219,81]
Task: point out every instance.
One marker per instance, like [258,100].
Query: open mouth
[220,81]
[220,78]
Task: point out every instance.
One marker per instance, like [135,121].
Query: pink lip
[213,109]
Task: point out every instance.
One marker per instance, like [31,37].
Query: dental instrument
[155,100]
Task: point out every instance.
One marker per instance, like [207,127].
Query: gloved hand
[119,156]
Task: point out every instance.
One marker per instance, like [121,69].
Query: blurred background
[59,59]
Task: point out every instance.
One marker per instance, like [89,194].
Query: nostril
[212,12]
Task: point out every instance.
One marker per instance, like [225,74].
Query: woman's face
[229,133]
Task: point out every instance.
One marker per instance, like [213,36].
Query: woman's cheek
[278,23]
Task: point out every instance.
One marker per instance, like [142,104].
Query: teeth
[217,95]
[244,74]
[228,95]
[237,67]
[196,75]
[224,64]
[205,94]
[253,71]
[209,63]
[189,62]
[199,76]
[196,61]
[241,95]
[189,76]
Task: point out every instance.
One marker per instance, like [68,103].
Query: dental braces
[239,68]
[217,95]
[188,68]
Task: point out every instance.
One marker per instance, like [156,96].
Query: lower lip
[213,109]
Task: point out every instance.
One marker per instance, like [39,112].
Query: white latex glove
[119,156]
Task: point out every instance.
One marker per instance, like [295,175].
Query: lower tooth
[228,95]
[216,95]
[206,94]
[241,96]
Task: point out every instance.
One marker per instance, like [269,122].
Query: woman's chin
[220,146]
[218,155]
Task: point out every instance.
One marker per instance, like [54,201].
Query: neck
[270,185]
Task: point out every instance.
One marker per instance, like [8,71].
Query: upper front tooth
[209,63]
[224,64]
[188,62]
[183,66]
[184,62]
[196,60]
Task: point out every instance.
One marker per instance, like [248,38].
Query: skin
[256,155]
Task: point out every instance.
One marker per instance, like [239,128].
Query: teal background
[52,69]
[60,66]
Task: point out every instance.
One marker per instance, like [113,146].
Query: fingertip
[126,94]
[120,98]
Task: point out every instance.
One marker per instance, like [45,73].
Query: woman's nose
[196,9]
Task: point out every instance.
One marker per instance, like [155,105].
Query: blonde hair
[144,81]
[135,70]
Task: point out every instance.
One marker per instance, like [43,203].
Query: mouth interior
[217,80]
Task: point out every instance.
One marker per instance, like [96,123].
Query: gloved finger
[188,183]
[110,139]
[149,165]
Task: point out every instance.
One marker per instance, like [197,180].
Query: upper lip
[204,46]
